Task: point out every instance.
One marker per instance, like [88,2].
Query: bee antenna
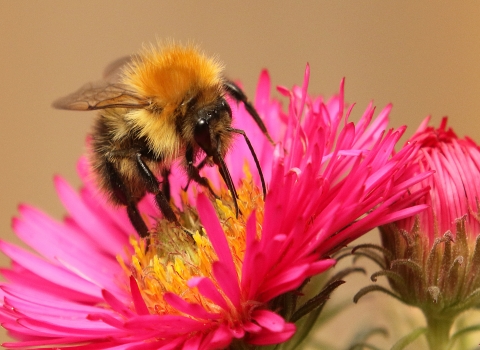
[234,91]
[228,180]
[254,155]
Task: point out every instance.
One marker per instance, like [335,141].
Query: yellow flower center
[176,254]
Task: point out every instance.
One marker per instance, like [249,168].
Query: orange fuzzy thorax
[169,75]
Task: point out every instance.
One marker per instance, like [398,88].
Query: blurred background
[424,59]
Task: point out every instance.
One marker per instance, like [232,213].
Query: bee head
[211,129]
[213,134]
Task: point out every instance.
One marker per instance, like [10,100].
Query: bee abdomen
[113,162]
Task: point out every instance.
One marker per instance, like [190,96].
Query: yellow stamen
[177,254]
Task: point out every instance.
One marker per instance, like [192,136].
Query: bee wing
[114,70]
[101,95]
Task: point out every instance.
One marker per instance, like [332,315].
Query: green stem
[438,332]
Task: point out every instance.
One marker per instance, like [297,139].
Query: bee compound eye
[201,125]
[202,134]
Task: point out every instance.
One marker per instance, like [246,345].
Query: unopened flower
[216,281]
[432,260]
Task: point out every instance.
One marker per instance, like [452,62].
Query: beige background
[423,58]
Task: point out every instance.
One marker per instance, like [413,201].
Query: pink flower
[455,187]
[431,259]
[94,285]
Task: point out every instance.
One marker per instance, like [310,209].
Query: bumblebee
[166,103]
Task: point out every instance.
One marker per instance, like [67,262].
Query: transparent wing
[114,70]
[101,95]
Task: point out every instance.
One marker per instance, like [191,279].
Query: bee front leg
[153,186]
[193,172]
[199,167]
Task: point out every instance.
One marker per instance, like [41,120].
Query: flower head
[454,189]
[432,258]
[214,281]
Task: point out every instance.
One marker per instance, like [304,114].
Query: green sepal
[458,334]
[359,342]
[373,288]
[408,339]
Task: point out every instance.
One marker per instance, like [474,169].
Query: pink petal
[192,309]
[116,304]
[140,306]
[267,338]
[208,290]
[228,284]
[220,338]
[48,271]
[225,269]
[93,225]
[268,320]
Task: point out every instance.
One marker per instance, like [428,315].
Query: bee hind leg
[153,186]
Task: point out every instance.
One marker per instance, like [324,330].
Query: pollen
[176,254]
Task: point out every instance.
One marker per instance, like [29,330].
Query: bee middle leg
[153,186]
[123,196]
[166,184]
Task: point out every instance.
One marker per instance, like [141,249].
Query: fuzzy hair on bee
[166,103]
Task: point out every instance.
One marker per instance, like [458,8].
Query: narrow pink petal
[208,290]
[107,319]
[252,327]
[214,231]
[167,325]
[228,283]
[20,283]
[341,98]
[283,90]
[267,338]
[73,325]
[237,331]
[48,271]
[226,272]
[262,97]
[42,342]
[140,306]
[320,266]
[49,308]
[251,248]
[192,309]
[268,320]
[193,343]
[220,338]
[401,214]
[91,270]
[56,330]
[256,279]
[33,226]
[116,304]
[92,224]
[284,281]
[306,79]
